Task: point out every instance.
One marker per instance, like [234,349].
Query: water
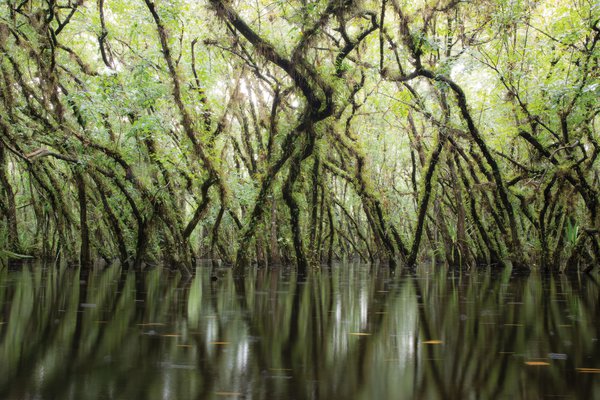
[345,333]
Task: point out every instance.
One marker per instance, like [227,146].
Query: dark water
[345,333]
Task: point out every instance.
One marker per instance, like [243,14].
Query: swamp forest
[279,199]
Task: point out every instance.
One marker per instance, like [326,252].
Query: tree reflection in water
[349,332]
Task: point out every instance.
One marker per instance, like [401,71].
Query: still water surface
[350,332]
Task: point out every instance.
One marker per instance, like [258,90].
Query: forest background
[301,132]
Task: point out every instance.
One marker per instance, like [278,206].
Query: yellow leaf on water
[171,335]
[433,342]
[537,363]
[359,334]
[228,393]
[589,370]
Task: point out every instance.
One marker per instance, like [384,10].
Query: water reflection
[345,333]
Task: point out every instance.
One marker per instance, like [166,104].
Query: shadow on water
[348,332]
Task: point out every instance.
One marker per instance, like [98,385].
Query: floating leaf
[589,370]
[537,363]
[433,342]
[228,393]
[219,343]
[359,334]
